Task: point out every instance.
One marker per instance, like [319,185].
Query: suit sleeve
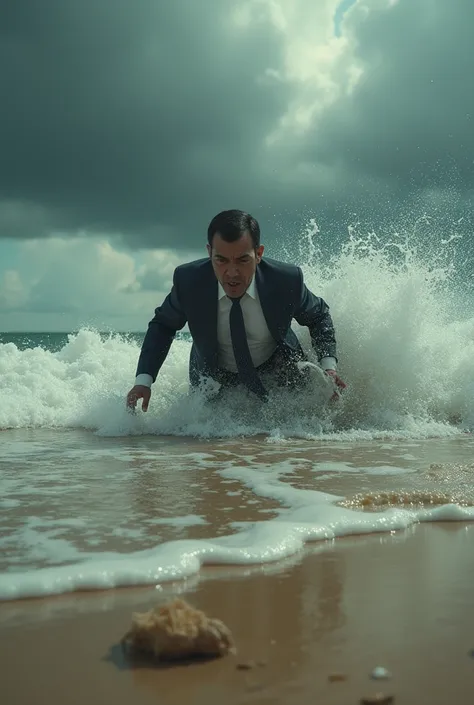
[313,312]
[169,318]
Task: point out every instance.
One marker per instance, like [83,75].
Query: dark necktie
[247,372]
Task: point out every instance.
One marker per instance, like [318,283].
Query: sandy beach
[403,601]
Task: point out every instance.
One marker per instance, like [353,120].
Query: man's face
[234,263]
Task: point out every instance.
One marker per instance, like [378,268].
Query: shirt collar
[251,291]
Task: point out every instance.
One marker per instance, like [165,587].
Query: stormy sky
[125,126]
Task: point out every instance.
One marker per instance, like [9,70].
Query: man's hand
[340,385]
[139,391]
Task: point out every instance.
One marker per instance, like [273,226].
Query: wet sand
[404,601]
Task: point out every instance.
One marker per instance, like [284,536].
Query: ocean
[94,497]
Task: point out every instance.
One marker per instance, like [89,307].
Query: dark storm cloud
[402,141]
[147,118]
[132,117]
[410,120]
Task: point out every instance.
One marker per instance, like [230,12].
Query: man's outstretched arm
[168,318]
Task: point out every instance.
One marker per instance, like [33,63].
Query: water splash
[405,351]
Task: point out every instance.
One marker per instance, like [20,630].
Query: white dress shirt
[260,341]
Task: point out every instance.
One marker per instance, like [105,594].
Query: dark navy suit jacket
[193,299]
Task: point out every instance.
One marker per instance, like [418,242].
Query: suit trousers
[280,369]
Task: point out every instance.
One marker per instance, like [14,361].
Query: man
[239,308]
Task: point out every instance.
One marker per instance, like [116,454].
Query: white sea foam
[304,516]
[404,349]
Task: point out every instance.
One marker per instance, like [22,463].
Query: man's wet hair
[231,225]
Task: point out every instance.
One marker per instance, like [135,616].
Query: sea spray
[406,356]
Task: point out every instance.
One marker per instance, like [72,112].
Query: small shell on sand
[380,673]
[377,699]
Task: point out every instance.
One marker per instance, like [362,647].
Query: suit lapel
[268,301]
[208,310]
